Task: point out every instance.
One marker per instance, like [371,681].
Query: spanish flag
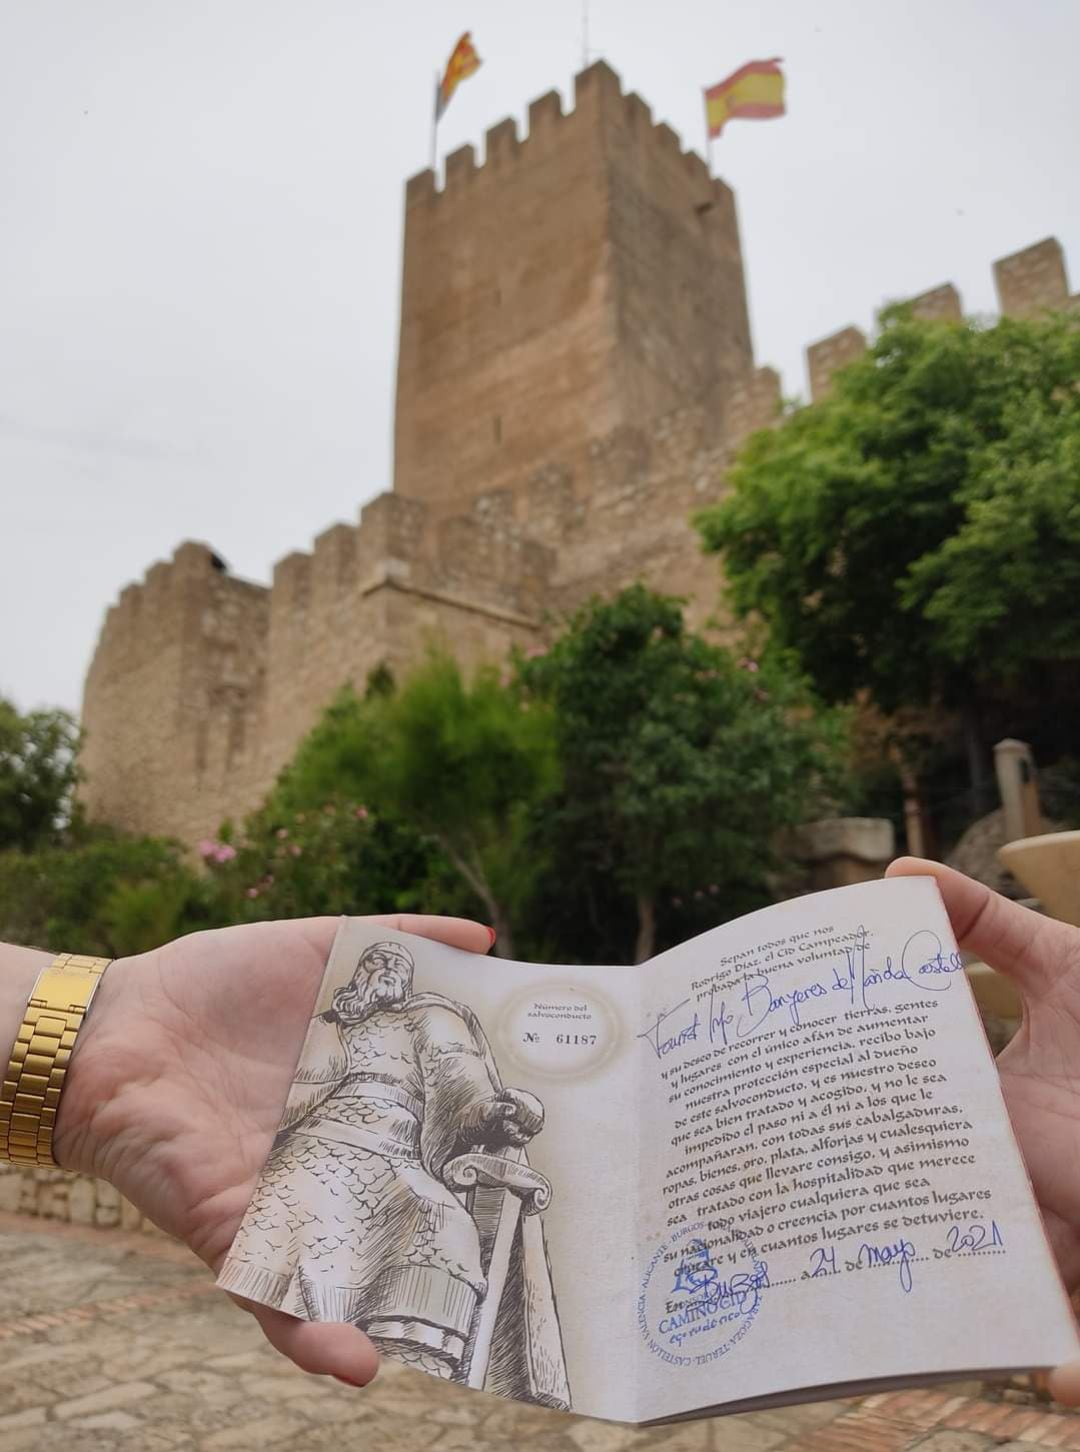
[754,92]
[463,63]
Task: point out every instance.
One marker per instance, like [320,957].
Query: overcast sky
[200,220]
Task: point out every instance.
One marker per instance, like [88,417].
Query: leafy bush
[100,892]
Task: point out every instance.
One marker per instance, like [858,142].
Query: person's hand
[179,1077]
[1040,1068]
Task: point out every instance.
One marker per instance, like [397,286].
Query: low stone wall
[75,1199]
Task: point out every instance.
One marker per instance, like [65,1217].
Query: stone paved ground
[119,1343]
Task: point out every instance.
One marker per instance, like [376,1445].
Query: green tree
[99,891]
[37,774]
[460,761]
[917,535]
[304,855]
[679,762]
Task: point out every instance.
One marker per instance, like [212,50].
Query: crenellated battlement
[1029,282]
[598,255]
[151,615]
[598,98]
[292,582]
[545,114]
[501,143]
[1034,279]
[940,304]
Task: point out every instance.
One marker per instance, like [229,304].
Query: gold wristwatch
[30,1095]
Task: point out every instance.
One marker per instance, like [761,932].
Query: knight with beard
[360,1225]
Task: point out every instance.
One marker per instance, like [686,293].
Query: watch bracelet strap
[34,1080]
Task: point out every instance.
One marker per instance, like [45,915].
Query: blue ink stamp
[701,1293]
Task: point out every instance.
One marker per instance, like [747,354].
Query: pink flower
[253,892]
[207,847]
[746,664]
[713,888]
[224,852]
[361,814]
[282,833]
[295,850]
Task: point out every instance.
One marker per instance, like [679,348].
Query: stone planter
[1049,867]
[839,851]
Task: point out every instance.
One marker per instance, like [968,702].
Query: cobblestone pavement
[117,1342]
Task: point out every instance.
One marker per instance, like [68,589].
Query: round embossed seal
[563,1031]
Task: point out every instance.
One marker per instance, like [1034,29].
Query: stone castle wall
[575,376]
[203,685]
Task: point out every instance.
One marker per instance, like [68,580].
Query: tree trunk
[646,933]
[914,824]
[978,775]
[474,875]
[503,946]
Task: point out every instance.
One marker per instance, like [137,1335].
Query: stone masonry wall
[74,1199]
[173,695]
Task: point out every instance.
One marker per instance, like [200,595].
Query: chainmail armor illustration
[397,1195]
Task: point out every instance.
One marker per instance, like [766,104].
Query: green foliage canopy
[99,891]
[679,762]
[37,774]
[917,534]
[306,855]
[461,761]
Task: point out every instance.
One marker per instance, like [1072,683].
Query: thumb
[1064,1384]
[1033,950]
[326,1348]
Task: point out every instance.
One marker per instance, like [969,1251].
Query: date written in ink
[900,1255]
[972,1235]
[822,1262]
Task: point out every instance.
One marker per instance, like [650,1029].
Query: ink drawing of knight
[398,1195]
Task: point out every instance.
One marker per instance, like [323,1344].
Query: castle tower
[583,279]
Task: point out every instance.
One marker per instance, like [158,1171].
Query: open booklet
[772,1164]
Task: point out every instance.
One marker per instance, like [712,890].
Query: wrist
[95,1078]
[39,1035]
[19,968]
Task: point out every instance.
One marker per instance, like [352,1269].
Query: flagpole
[435,124]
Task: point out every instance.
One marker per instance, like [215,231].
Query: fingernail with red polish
[491,937]
[346,1380]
